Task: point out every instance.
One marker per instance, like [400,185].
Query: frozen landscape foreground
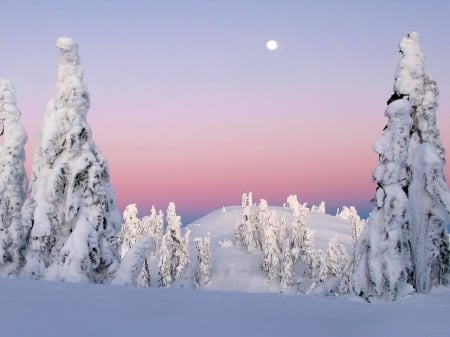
[37,308]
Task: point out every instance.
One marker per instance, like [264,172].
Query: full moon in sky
[272,45]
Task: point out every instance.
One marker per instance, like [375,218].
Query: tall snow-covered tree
[382,253]
[428,217]
[413,230]
[71,215]
[13,182]
[428,214]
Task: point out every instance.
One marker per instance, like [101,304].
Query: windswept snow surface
[39,308]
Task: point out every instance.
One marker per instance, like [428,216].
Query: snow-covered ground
[37,308]
[237,302]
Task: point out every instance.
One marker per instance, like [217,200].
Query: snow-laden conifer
[382,253]
[13,182]
[203,274]
[270,248]
[287,267]
[71,213]
[131,229]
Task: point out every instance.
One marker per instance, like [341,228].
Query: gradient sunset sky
[189,106]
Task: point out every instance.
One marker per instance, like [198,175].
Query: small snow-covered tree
[203,274]
[429,217]
[13,182]
[287,267]
[298,232]
[164,272]
[71,215]
[244,201]
[144,280]
[309,255]
[293,204]
[337,265]
[271,250]
[351,214]
[171,216]
[153,225]
[131,229]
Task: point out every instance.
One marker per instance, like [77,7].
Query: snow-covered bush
[71,215]
[13,182]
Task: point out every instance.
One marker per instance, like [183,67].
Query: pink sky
[189,106]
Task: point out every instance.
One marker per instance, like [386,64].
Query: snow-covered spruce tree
[203,274]
[351,214]
[13,182]
[308,254]
[428,216]
[174,256]
[270,248]
[131,229]
[173,220]
[383,260]
[287,267]
[153,225]
[298,233]
[337,265]
[165,276]
[240,229]
[71,215]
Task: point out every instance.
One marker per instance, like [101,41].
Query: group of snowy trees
[405,243]
[152,243]
[287,247]
[65,228]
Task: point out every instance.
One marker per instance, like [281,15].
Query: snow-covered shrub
[13,182]
[131,266]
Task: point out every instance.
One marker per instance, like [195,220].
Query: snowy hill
[233,269]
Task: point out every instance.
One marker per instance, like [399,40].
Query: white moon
[272,45]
